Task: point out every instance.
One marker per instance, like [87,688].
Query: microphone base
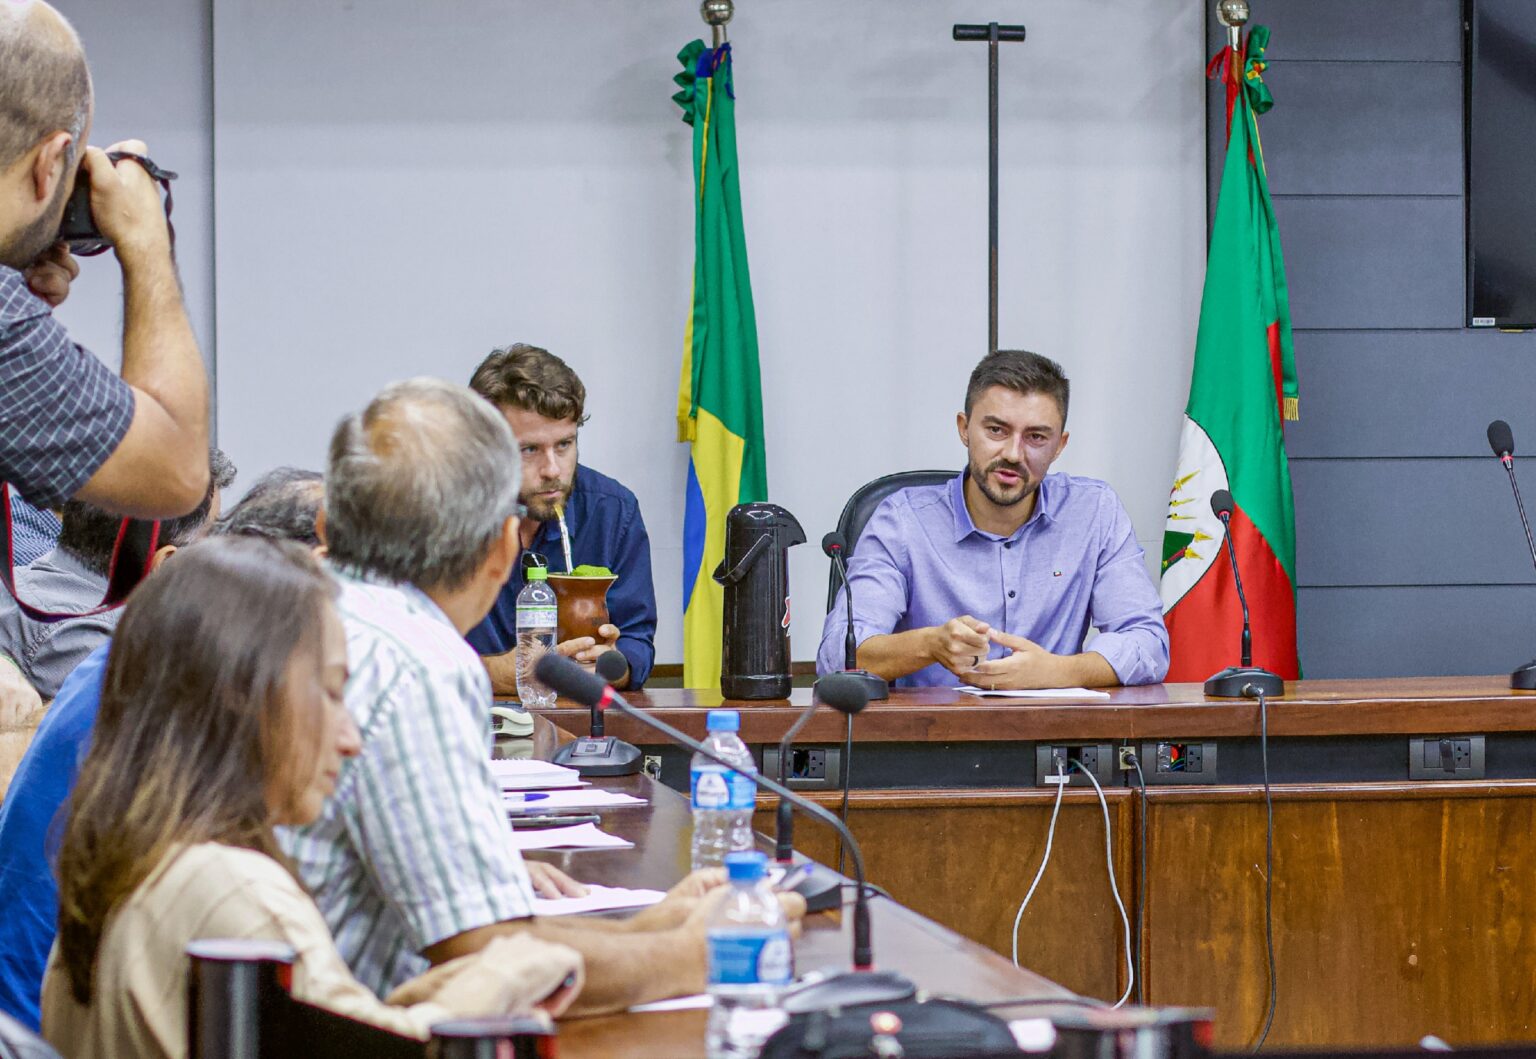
[849,990]
[821,887]
[877,688]
[1242,682]
[599,756]
[1524,678]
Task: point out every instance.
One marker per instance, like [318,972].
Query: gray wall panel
[1373,262]
[1357,128]
[1412,393]
[1357,30]
[1407,522]
[1429,631]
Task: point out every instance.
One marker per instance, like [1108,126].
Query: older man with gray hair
[412,860]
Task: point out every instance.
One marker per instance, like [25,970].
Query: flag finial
[717,13]
[1234,15]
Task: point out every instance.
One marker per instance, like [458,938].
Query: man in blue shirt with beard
[545,404]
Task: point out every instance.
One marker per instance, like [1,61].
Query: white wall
[403,186]
[150,65]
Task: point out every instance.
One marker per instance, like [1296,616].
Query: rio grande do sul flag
[1243,386]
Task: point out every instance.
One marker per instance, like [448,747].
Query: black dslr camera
[78,226]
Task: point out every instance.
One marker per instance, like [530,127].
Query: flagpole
[717,13]
[1233,14]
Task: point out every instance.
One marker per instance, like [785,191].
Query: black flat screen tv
[1501,162]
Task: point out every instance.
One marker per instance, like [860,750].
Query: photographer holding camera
[137,444]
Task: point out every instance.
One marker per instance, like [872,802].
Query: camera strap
[131,554]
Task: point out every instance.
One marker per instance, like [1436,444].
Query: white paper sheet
[599,899]
[574,799]
[581,836]
[519,774]
[1036,693]
[677,1003]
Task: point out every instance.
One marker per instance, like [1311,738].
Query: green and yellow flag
[719,398]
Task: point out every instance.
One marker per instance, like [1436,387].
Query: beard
[998,494]
[541,510]
[29,244]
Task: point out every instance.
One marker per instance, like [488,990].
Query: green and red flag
[719,396]
[1243,388]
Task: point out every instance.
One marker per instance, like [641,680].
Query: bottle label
[758,958]
[718,788]
[537,616]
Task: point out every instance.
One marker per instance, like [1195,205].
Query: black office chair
[18,1042]
[862,504]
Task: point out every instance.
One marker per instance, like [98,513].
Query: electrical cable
[1269,867]
[1114,889]
[1141,880]
[847,782]
[1050,836]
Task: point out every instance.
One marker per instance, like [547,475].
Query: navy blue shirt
[606,530]
[29,836]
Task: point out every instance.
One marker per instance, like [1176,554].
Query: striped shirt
[62,412]
[414,846]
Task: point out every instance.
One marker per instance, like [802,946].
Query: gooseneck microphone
[844,990]
[821,887]
[876,688]
[1243,681]
[1502,441]
[600,754]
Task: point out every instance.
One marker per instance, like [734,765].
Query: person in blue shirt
[545,403]
[284,505]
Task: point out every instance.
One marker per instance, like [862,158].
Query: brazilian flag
[719,398]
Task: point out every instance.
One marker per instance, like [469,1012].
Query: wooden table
[936,958]
[1401,907]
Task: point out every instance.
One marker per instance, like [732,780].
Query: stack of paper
[579,836]
[521,774]
[598,899]
[1036,693]
[577,799]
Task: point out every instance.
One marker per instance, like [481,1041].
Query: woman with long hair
[222,718]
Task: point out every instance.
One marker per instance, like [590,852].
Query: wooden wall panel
[966,860]
[1399,912]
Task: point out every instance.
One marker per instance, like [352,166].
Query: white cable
[1050,836]
[1109,859]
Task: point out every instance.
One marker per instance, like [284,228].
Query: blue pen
[523,796]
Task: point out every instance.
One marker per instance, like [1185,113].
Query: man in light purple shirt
[993,578]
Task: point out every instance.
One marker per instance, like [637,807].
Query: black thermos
[754,662]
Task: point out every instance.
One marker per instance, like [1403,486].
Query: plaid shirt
[62,413]
[414,846]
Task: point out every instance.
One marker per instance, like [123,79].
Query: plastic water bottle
[537,617]
[750,961]
[723,799]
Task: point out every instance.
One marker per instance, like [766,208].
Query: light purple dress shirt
[921,561]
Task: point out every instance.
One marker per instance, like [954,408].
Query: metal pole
[993,34]
[992,39]
[1233,14]
[717,13]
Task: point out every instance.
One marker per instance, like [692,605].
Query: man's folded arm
[1126,608]
[878,576]
[635,609]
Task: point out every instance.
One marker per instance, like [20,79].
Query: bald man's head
[45,86]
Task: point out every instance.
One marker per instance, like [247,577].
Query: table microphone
[821,887]
[1502,441]
[876,688]
[863,985]
[597,754]
[1245,680]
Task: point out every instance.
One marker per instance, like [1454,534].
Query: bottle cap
[537,573]
[723,721]
[748,866]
